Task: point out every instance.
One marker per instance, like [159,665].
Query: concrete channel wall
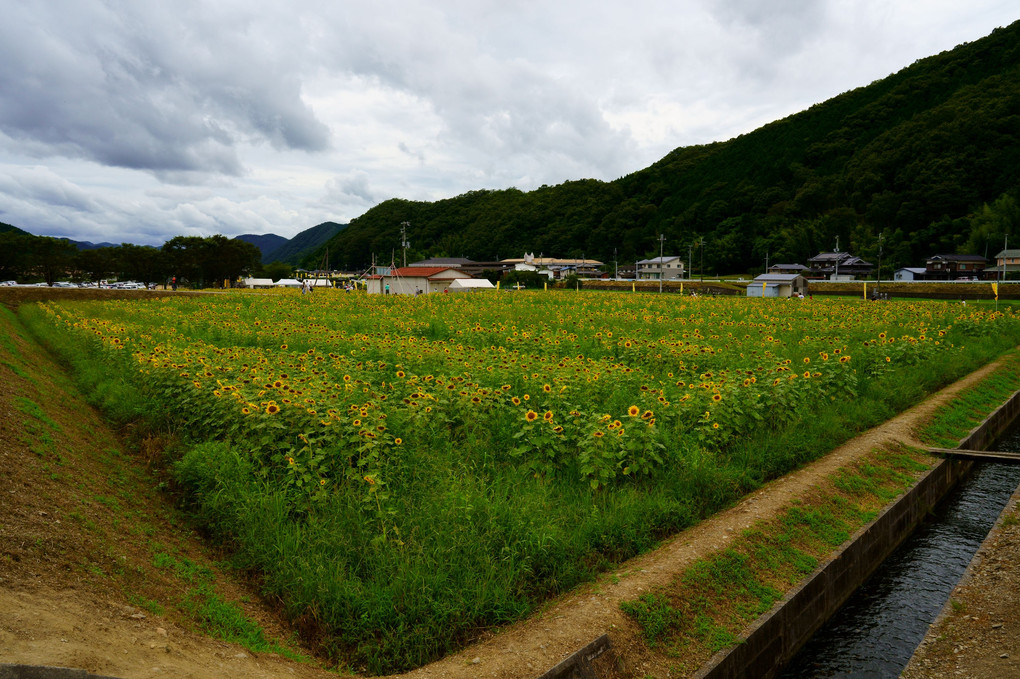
[775,638]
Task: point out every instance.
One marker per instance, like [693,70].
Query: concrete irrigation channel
[775,638]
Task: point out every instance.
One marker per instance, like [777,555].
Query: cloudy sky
[138,120]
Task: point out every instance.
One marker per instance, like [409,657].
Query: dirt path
[78,587]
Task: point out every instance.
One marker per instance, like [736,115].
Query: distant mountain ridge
[919,158]
[266,243]
[298,248]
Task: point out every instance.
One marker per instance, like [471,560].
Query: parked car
[8,284]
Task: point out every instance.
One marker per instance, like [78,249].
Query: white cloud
[139,121]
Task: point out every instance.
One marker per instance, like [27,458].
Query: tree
[277,270]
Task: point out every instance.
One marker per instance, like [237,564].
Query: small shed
[415,280]
[909,273]
[777,285]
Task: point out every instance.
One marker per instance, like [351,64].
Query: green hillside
[929,156]
[310,240]
[10,227]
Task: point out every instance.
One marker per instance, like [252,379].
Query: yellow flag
[763,288]
[545,286]
[995,290]
[632,288]
[681,287]
[497,284]
[865,289]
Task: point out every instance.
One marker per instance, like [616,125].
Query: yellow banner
[995,290]
[497,284]
[865,289]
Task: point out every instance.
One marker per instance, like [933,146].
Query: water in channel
[876,632]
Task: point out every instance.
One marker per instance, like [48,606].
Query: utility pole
[878,281]
[403,239]
[662,238]
[766,261]
[701,244]
[690,260]
[836,277]
[616,266]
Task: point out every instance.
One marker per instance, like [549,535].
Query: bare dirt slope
[81,527]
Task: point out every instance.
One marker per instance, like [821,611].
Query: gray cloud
[137,121]
[144,88]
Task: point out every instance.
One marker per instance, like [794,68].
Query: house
[839,265]
[665,268]
[953,267]
[554,267]
[777,285]
[909,273]
[411,280]
[788,268]
[1006,262]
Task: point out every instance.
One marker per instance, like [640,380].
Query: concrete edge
[775,637]
[578,664]
[9,671]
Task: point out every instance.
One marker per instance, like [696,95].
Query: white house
[410,280]
[660,268]
[777,285]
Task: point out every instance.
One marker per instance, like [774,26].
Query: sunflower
[531,416]
[399,441]
[516,401]
[272,409]
[716,397]
[633,411]
[548,416]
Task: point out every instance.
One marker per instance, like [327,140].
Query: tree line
[193,260]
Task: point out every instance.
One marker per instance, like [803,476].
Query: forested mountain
[266,243]
[309,240]
[929,157]
[10,227]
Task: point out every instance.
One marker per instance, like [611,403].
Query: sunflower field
[406,473]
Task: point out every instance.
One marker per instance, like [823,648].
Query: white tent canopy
[288,283]
[470,283]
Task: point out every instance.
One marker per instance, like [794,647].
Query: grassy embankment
[705,608]
[80,508]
